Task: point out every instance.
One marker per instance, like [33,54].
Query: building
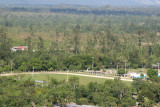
[136,75]
[158,74]
[21,48]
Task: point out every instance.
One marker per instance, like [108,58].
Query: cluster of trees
[18,91]
[5,52]
[69,41]
[76,42]
[105,10]
[148,91]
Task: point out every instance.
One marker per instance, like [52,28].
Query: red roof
[20,47]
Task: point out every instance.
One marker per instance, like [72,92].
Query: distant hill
[83,2]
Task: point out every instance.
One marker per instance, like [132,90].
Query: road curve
[10,74]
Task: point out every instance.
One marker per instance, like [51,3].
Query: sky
[85,2]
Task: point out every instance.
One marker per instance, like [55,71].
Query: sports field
[82,79]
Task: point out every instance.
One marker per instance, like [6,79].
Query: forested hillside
[66,40]
[79,39]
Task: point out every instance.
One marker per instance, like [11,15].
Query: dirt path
[123,79]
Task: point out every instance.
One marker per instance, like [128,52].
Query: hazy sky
[84,2]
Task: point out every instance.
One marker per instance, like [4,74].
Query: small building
[136,75]
[21,48]
[158,74]
[155,66]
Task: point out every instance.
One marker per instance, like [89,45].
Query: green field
[83,80]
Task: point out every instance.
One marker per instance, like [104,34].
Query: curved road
[123,79]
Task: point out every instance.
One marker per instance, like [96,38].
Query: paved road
[123,79]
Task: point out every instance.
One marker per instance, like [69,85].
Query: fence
[96,73]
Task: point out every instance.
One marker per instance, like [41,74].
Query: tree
[142,75]
[74,82]
[40,43]
[36,63]
[5,45]
[81,92]
[76,39]
[146,97]
[53,48]
[147,102]
[29,40]
[138,83]
[4,66]
[121,91]
[152,73]
[121,71]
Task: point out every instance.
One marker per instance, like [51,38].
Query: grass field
[83,80]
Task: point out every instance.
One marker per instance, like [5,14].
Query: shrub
[82,101]
[152,73]
[121,71]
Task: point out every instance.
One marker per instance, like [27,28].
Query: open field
[83,79]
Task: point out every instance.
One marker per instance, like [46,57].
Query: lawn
[83,80]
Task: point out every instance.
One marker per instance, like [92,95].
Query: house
[21,48]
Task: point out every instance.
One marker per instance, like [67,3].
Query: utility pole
[117,67]
[125,66]
[33,72]
[11,62]
[158,67]
[67,75]
[92,64]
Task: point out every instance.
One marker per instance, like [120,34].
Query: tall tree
[5,45]
[40,43]
[76,38]
[29,40]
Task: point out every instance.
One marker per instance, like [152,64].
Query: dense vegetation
[70,41]
[73,42]
[19,92]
